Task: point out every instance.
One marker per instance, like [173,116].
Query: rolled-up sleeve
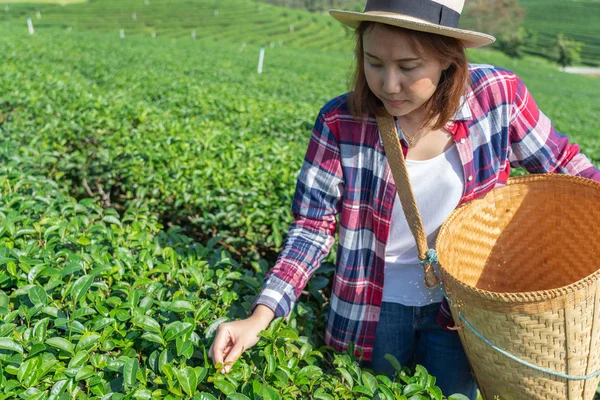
[535,144]
[317,201]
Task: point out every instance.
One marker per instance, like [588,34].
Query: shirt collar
[464,110]
[462,114]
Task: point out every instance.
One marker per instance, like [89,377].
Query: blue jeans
[412,335]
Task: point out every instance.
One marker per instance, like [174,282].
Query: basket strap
[395,156]
[514,358]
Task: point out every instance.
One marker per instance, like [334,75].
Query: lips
[395,103]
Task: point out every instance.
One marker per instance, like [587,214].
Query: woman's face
[401,79]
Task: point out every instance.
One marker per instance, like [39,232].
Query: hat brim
[470,39]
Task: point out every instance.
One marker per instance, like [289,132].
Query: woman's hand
[233,338]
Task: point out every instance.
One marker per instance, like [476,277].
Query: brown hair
[444,102]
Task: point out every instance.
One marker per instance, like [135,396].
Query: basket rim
[521,297]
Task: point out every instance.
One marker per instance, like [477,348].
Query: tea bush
[180,138]
[93,305]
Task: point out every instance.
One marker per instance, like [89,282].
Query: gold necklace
[411,139]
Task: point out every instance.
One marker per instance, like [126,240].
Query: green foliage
[580,20]
[203,141]
[496,17]
[131,311]
[238,21]
[545,19]
[513,43]
[568,51]
[247,22]
[319,5]
[175,138]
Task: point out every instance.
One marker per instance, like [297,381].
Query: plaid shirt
[346,173]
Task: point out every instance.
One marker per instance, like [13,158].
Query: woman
[462,128]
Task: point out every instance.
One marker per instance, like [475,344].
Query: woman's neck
[411,123]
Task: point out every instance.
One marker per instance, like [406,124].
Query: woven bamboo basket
[521,268]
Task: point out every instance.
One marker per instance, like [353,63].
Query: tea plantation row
[245,21]
[579,20]
[193,132]
[94,305]
[234,21]
[198,139]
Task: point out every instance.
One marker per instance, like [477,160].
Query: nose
[391,81]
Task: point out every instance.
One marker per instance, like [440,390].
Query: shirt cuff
[279,303]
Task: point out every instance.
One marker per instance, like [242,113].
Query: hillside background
[547,18]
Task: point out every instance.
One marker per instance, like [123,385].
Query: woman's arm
[537,146]
[317,200]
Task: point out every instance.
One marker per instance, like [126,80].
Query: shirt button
[470,178]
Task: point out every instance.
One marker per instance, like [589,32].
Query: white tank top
[438,187]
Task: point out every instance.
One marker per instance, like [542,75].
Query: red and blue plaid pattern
[346,174]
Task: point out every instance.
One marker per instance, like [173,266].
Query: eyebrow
[397,60]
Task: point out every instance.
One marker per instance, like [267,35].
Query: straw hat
[433,16]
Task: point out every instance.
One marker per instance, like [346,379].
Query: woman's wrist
[263,315]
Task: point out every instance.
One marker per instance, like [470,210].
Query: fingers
[221,345]
[211,351]
[229,344]
[233,355]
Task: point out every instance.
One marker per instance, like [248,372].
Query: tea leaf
[147,323]
[102,323]
[181,306]
[153,337]
[84,373]
[369,381]
[225,387]
[412,389]
[176,329]
[322,395]
[363,390]
[237,396]
[394,361]
[81,286]
[288,334]
[37,296]
[59,387]
[130,369]
[61,344]
[87,340]
[111,220]
[187,379]
[347,377]
[205,396]
[26,373]
[212,328]
[40,330]
[78,359]
[10,344]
